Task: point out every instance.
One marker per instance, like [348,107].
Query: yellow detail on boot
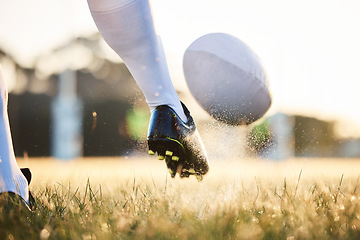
[199,177]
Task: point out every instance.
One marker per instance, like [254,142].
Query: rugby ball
[227,79]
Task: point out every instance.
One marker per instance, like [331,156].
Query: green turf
[253,206]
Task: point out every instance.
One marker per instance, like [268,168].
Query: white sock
[11,178]
[127,26]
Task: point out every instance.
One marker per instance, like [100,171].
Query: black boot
[177,142]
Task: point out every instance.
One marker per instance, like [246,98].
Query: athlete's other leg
[11,178]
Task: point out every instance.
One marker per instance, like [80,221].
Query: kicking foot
[176,142]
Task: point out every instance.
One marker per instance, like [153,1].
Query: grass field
[134,198]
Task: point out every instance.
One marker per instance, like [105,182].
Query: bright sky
[310,49]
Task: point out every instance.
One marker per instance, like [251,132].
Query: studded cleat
[176,142]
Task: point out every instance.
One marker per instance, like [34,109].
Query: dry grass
[132,198]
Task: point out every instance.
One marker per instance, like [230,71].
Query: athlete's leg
[11,178]
[127,26]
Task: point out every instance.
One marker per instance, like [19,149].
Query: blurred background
[71,96]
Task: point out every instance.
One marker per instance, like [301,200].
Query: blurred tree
[260,137]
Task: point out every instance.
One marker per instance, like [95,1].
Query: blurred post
[282,131]
[66,124]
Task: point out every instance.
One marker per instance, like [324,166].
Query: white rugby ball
[226,78]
